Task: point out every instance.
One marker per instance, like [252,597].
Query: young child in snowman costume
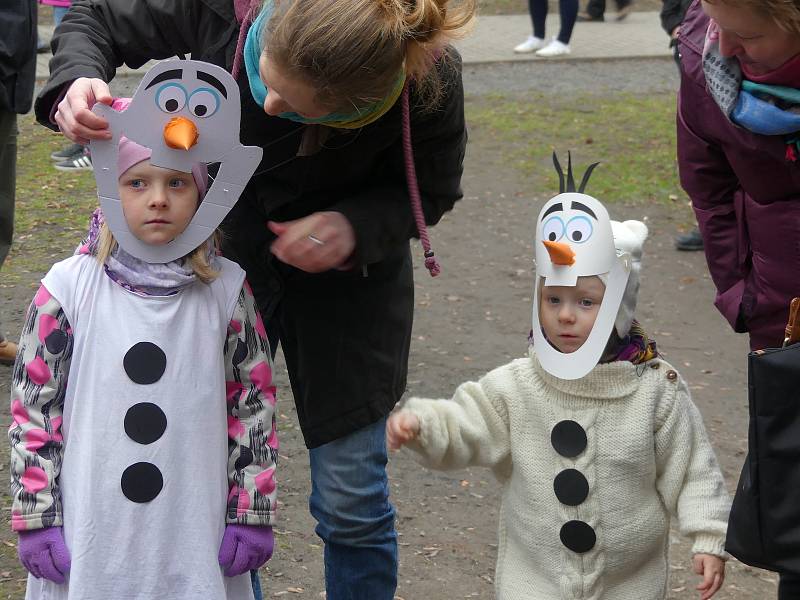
[594,438]
[143,442]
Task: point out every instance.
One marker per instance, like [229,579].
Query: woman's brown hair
[352,51]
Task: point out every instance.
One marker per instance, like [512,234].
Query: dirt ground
[476,316]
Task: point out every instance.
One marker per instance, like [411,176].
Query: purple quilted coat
[746,196]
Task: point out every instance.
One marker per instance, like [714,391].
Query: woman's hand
[319,242]
[74,116]
[401,427]
[712,568]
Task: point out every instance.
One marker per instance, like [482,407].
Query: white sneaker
[554,48]
[529,45]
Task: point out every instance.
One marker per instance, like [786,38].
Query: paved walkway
[492,40]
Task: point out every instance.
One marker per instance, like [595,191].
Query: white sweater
[646,457]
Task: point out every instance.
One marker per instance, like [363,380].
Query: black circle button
[578,536]
[568,438]
[141,482]
[571,487]
[145,422]
[145,363]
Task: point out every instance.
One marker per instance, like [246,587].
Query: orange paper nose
[180,133]
[560,253]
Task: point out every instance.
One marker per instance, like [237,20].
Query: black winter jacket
[17,54]
[672,13]
[359,173]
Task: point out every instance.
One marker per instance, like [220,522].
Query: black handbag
[764,524]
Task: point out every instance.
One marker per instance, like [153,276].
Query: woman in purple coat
[738,152]
[738,138]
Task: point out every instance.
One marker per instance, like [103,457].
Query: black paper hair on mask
[557,165]
[570,182]
[570,179]
[586,176]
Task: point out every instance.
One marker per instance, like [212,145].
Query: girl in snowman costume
[132,477]
[594,438]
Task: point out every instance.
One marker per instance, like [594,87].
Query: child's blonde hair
[197,259]
[352,51]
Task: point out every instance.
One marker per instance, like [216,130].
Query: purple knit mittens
[44,553]
[244,548]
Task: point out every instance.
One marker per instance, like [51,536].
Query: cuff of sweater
[252,517]
[705,543]
[424,444]
[20,522]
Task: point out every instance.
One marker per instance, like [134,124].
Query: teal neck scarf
[259,91]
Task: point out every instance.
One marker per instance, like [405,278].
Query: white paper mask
[574,239]
[200,102]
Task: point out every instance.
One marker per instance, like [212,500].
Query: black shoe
[690,241]
[71,151]
[587,18]
[79,162]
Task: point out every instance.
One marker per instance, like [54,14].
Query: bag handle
[793,325]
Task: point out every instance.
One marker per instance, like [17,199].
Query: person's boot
[690,241]
[8,352]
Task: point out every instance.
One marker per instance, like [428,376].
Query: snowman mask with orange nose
[574,239]
[185,112]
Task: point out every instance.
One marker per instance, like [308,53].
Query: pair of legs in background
[596,9]
[8,175]
[559,45]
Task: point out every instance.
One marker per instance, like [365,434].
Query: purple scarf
[137,276]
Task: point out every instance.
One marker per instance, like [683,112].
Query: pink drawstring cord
[413,189]
[244,25]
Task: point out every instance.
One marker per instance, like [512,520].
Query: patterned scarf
[636,347]
[758,107]
[359,118]
[133,274]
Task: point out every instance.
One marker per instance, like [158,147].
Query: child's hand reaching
[401,428]
[712,568]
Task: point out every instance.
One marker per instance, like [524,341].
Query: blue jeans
[350,501]
[58,14]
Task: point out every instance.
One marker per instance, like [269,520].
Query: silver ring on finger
[316,240]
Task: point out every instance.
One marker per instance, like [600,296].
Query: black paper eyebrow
[584,208]
[172,74]
[210,79]
[555,208]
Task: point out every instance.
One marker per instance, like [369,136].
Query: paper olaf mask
[574,239]
[186,112]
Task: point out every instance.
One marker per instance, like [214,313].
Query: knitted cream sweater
[645,456]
